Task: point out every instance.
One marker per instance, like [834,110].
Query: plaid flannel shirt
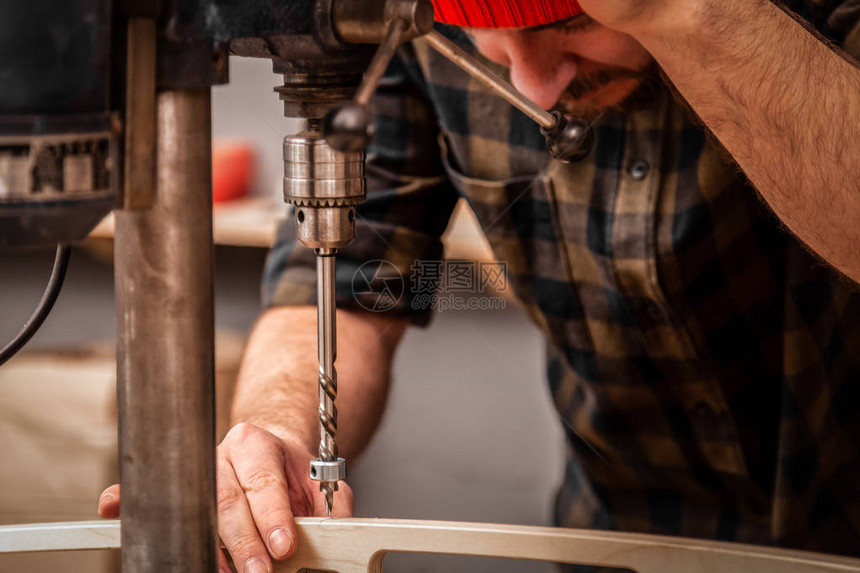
[706,366]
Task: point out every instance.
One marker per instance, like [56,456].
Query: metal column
[165,341]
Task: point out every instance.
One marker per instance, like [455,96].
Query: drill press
[114,113]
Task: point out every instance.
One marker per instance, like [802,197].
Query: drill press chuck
[323,185]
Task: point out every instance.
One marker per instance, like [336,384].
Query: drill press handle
[349,127]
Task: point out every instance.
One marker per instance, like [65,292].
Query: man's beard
[648,81]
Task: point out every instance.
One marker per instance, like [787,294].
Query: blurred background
[470,433]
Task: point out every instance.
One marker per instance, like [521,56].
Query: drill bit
[327,345]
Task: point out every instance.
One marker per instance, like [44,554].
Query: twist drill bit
[327,344]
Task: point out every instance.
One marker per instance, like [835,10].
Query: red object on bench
[232,169]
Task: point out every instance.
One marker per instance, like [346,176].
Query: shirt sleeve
[836,20]
[409,203]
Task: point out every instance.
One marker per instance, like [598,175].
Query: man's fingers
[223,562]
[109,502]
[236,525]
[264,482]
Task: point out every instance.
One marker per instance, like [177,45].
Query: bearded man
[695,275]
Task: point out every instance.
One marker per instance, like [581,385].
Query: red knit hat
[504,13]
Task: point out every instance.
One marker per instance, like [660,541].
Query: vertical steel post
[165,341]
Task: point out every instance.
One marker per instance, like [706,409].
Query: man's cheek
[490,47]
[609,49]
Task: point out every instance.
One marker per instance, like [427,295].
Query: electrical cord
[52,291]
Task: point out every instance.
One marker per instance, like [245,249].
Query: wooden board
[252,222]
[248,222]
[360,545]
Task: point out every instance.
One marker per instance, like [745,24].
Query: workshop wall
[248,109]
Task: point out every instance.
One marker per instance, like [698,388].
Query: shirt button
[639,169]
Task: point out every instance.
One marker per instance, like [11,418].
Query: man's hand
[264,477]
[263,483]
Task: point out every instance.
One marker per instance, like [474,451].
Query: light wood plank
[253,222]
[250,222]
[360,545]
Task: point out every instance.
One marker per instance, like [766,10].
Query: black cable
[55,283]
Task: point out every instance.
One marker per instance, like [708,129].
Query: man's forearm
[784,105]
[277,384]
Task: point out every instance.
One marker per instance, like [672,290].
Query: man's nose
[539,72]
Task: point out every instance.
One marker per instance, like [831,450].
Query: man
[694,274]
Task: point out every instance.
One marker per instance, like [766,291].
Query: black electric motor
[62,102]
[58,137]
